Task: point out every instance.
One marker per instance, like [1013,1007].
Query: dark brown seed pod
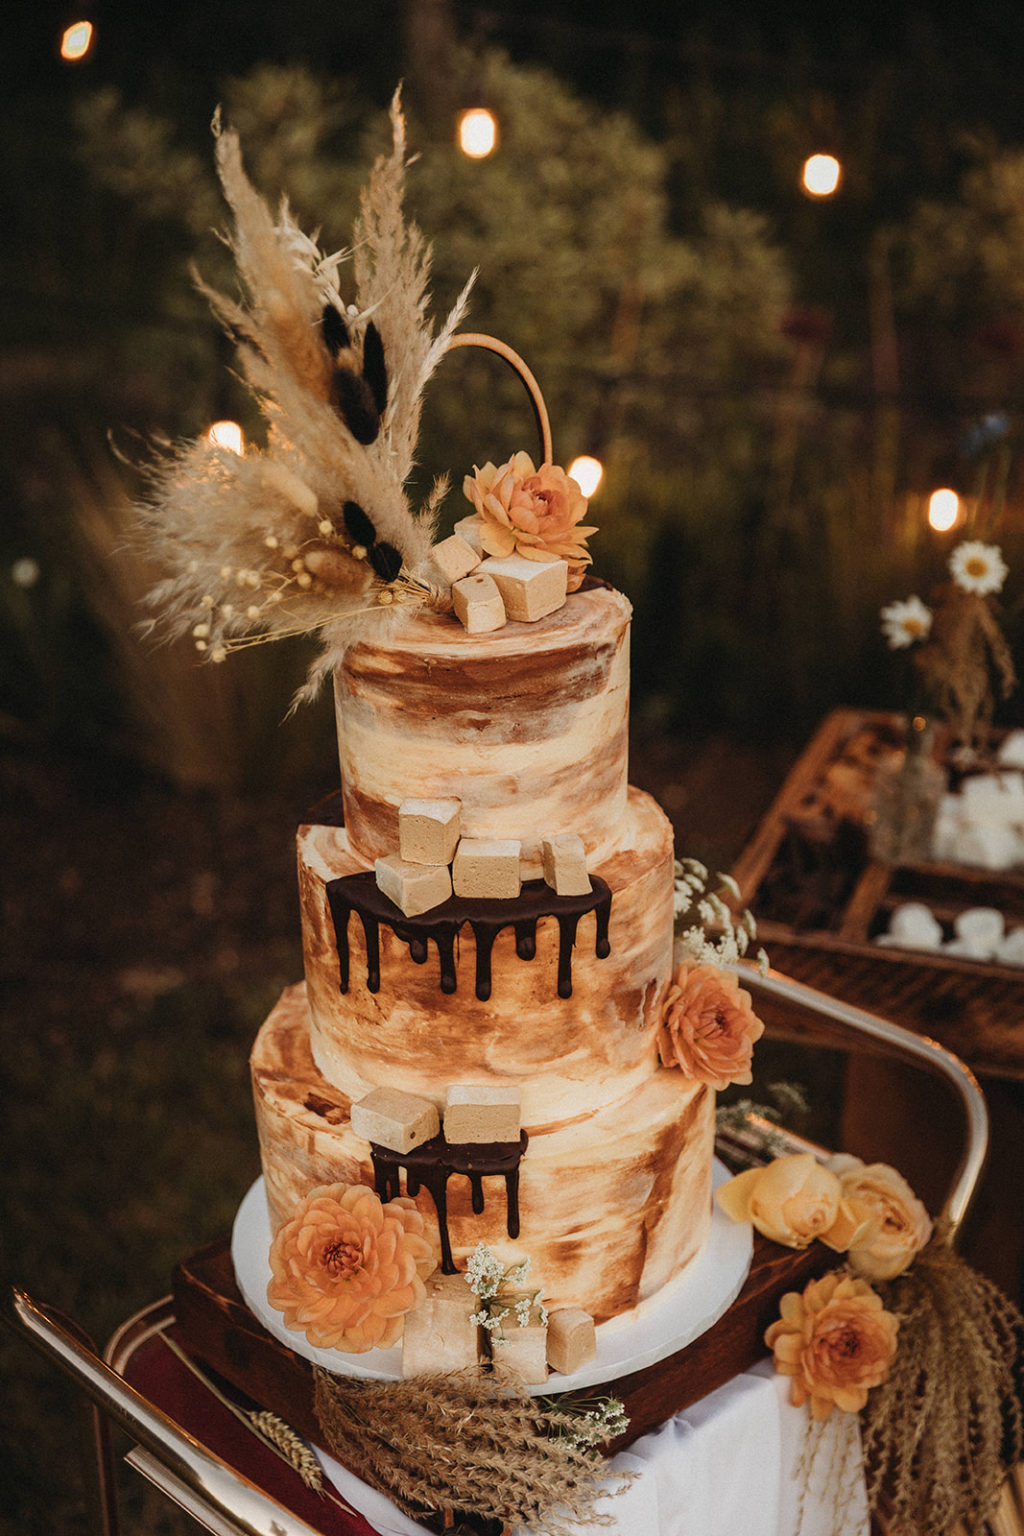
[335,331]
[358,525]
[353,400]
[386,561]
[374,368]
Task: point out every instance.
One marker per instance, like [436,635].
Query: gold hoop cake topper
[313,534]
[516,363]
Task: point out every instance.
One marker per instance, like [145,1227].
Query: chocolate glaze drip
[360,893]
[430,1166]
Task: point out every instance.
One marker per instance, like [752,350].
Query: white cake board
[675,1317]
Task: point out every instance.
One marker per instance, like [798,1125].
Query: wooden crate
[820,899]
[217,1327]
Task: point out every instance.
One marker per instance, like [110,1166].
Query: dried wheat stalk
[454,1443]
[941,1432]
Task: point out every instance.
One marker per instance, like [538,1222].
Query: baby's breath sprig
[587,1424]
[708,929]
[498,1289]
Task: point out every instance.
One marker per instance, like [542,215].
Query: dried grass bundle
[966,650]
[454,1444]
[941,1432]
[314,532]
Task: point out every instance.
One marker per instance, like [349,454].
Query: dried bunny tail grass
[391,266]
[941,1432]
[455,1443]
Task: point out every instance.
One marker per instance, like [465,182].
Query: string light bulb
[477,133]
[76,41]
[821,175]
[943,509]
[588,473]
[226,434]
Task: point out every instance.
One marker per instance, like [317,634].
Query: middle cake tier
[560,998]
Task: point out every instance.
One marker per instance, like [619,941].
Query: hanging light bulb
[821,175]
[943,509]
[76,41]
[477,133]
[588,473]
[226,434]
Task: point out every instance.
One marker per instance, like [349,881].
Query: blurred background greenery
[774,383]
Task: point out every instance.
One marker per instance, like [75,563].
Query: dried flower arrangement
[301,536]
[313,533]
[961,650]
[906,1334]
[450,1443]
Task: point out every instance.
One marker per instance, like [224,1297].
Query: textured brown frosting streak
[612,1207]
[528,726]
[568,1056]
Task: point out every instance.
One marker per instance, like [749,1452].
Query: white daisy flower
[978,567]
[906,622]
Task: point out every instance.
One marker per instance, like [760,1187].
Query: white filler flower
[978,567]
[905,623]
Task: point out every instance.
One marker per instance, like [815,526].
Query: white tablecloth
[728,1466]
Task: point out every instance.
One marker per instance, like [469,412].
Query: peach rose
[794,1200]
[346,1268]
[533,512]
[900,1227]
[709,1025]
[836,1341]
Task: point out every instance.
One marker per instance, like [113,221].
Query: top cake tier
[527,726]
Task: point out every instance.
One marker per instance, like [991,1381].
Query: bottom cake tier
[612,1206]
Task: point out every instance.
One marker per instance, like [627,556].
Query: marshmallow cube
[413,888]
[565,864]
[523,1355]
[395,1119]
[982,927]
[487,868]
[1011,949]
[455,558]
[481,1113]
[914,925]
[478,605]
[428,830]
[468,528]
[989,846]
[529,588]
[994,799]
[572,1339]
[437,1335]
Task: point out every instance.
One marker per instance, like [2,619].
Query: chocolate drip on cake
[360,893]
[430,1166]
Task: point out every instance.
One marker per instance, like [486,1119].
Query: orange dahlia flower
[346,1268]
[709,1025]
[531,512]
[836,1341]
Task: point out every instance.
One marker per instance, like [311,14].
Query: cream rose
[900,1226]
[794,1200]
